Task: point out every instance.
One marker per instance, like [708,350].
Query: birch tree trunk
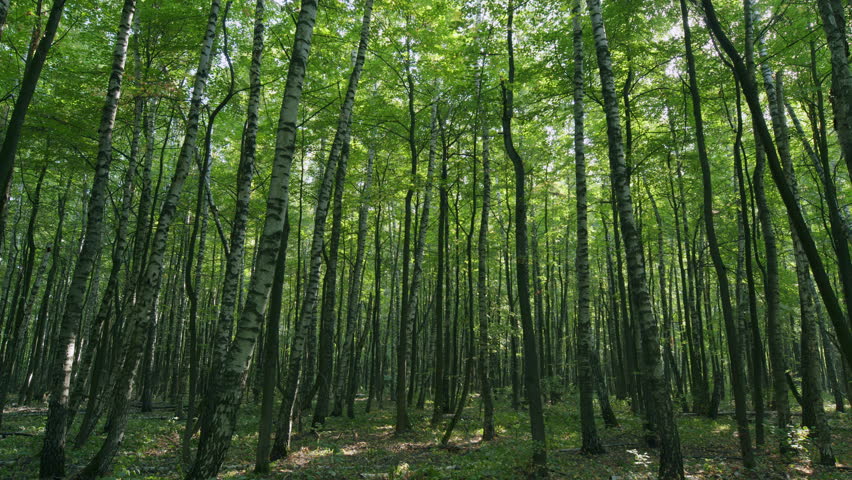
[236,245]
[226,386]
[53,452]
[653,372]
[585,342]
[306,315]
[141,314]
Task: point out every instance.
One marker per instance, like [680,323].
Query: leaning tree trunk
[32,72]
[236,247]
[834,24]
[532,378]
[585,342]
[752,95]
[53,452]
[107,307]
[306,314]
[140,317]
[226,386]
[671,461]
[735,353]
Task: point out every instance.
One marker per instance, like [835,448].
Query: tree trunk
[403,424]
[354,294]
[838,318]
[482,295]
[585,342]
[307,313]
[532,380]
[32,72]
[328,317]
[734,351]
[226,385]
[141,314]
[53,452]
[671,462]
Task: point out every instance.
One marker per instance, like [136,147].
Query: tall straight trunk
[821,278]
[754,324]
[53,452]
[812,407]
[833,19]
[354,294]
[141,315]
[403,424]
[735,353]
[306,315]
[482,296]
[514,368]
[441,387]
[376,374]
[653,375]
[532,379]
[585,342]
[15,126]
[698,386]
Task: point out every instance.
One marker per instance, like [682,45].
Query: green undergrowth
[366,447]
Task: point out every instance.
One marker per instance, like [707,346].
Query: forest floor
[366,447]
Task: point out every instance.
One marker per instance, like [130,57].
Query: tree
[671,461]
[32,73]
[585,342]
[53,452]
[532,379]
